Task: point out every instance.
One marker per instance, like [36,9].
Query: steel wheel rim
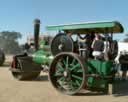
[67,73]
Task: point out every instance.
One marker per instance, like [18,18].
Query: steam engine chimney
[36,33]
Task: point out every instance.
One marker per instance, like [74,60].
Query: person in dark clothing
[26,46]
[97,46]
[123,59]
[84,42]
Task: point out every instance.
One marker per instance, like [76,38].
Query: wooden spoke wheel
[67,73]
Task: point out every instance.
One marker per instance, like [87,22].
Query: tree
[9,41]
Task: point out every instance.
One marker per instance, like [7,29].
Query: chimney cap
[36,21]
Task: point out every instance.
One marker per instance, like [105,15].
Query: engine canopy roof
[89,27]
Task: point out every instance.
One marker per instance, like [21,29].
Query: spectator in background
[123,60]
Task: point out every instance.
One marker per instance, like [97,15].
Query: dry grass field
[40,90]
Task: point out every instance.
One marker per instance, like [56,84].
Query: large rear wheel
[67,73]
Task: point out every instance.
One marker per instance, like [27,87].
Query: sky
[18,15]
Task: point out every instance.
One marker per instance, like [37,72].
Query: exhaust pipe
[36,33]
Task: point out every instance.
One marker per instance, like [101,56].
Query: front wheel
[22,75]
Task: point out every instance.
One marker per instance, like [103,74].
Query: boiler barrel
[42,57]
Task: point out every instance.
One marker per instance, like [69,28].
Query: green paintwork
[97,83]
[41,56]
[103,68]
[113,26]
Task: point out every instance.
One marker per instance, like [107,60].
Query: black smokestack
[36,33]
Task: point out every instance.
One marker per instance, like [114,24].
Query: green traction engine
[73,67]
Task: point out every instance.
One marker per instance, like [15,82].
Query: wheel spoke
[75,66]
[64,62]
[77,82]
[72,87]
[57,74]
[73,61]
[67,58]
[80,70]
[73,83]
[77,77]
[59,67]
[61,79]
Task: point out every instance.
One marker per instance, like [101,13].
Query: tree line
[9,42]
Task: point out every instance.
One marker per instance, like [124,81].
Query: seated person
[84,43]
[97,46]
[29,48]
